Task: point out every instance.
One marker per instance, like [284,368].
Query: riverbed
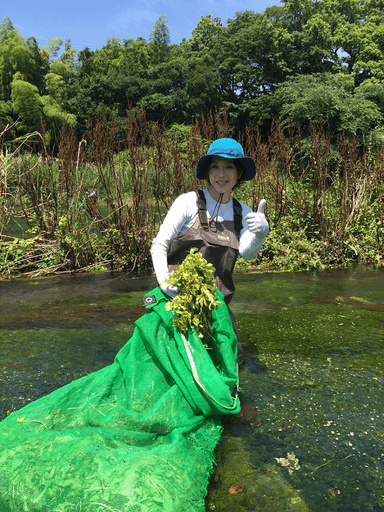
[310,436]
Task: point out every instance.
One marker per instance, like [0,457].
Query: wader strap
[237,215]
[202,207]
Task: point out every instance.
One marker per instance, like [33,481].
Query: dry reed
[322,190]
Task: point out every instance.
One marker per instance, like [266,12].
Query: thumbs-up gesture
[257,223]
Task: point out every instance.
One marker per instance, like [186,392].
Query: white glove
[169,289]
[257,223]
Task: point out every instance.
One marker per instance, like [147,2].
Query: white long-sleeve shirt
[182,215]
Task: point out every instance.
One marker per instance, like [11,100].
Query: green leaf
[197,294]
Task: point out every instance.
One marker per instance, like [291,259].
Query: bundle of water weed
[196,296]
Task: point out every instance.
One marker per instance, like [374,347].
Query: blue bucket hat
[226,148]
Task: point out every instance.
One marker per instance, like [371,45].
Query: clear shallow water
[313,387]
[313,383]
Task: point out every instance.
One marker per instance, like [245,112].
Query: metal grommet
[149,299]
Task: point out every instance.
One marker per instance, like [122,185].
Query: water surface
[312,383]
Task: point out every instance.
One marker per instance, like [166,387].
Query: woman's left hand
[257,223]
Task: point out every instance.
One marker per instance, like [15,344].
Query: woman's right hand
[257,223]
[169,289]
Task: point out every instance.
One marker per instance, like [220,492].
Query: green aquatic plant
[291,462]
[196,296]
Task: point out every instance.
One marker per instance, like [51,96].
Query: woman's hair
[239,167]
[241,171]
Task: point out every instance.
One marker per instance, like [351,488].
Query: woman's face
[222,175]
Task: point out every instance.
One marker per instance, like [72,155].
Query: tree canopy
[306,61]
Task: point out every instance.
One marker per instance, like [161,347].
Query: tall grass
[324,204]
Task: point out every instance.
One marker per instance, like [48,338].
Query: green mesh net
[138,435]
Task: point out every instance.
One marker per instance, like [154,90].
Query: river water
[310,436]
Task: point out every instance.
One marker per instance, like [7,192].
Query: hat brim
[247,161]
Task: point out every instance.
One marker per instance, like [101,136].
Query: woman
[213,221]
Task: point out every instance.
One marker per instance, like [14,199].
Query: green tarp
[138,435]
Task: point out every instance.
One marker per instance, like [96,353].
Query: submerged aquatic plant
[291,462]
[196,296]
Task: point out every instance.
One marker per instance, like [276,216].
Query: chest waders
[219,243]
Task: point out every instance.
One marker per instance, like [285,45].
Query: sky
[90,24]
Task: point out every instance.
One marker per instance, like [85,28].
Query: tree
[5,113]
[15,56]
[110,78]
[26,104]
[246,52]
[205,33]
[53,47]
[304,37]
[160,33]
[40,64]
[54,85]
[373,90]
[54,117]
[330,99]
[160,39]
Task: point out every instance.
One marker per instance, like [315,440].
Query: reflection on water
[313,384]
[17,227]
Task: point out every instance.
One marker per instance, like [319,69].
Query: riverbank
[284,250]
[97,204]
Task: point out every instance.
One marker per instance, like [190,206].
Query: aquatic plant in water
[291,462]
